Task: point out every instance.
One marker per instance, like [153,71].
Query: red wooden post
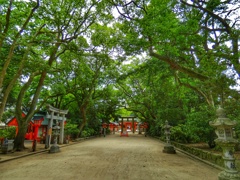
[37,124]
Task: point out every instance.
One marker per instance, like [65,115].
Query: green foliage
[80,48]
[9,132]
[195,129]
[87,132]
[178,134]
[123,112]
[71,129]
[7,115]
[232,107]
[155,129]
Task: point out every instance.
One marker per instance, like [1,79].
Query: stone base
[227,176]
[7,147]
[54,149]
[169,149]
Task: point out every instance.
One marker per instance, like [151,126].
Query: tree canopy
[160,61]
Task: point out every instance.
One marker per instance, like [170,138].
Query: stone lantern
[224,130]
[168,148]
[56,132]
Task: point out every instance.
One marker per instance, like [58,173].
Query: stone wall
[202,154]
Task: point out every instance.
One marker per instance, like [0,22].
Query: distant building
[128,123]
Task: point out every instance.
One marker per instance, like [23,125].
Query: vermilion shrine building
[126,123]
[130,124]
[37,127]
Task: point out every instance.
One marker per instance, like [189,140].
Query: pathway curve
[111,158]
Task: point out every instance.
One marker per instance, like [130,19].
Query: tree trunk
[19,139]
[83,112]
[24,121]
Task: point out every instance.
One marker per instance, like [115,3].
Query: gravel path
[111,158]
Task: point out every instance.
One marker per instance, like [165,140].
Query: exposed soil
[110,158]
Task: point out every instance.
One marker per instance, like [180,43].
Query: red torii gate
[129,124]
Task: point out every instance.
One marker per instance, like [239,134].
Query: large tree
[192,38]
[65,22]
[152,92]
[17,36]
[86,75]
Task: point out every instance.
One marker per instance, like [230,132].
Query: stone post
[49,131]
[61,136]
[168,148]
[224,130]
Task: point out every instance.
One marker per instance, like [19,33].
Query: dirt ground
[109,158]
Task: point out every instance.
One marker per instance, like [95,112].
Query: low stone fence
[202,154]
[205,156]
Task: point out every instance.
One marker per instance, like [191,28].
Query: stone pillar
[226,141]
[49,131]
[61,136]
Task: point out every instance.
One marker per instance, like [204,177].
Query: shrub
[155,130]
[9,132]
[178,134]
[71,129]
[88,132]
[196,129]
[85,133]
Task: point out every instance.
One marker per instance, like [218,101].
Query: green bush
[178,134]
[88,132]
[196,129]
[85,133]
[155,130]
[9,132]
[71,129]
